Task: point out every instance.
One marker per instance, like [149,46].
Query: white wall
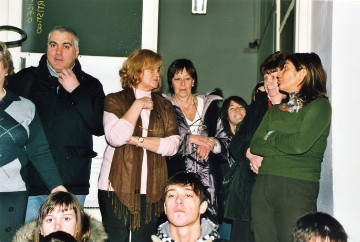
[346,114]
[10,14]
[320,41]
[336,37]
[333,32]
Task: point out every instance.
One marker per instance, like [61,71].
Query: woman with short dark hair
[204,145]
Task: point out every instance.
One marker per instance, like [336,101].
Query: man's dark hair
[273,62]
[321,225]
[188,179]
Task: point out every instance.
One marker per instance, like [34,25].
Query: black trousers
[116,229]
[12,213]
[241,231]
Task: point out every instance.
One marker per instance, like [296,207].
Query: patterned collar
[294,104]
[208,229]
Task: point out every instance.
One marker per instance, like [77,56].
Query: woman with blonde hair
[140,128]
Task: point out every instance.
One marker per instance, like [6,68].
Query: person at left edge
[22,140]
[70,103]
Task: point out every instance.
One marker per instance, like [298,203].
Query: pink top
[119,131]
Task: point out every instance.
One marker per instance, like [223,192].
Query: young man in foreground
[185,202]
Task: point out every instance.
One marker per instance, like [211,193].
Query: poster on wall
[105,27]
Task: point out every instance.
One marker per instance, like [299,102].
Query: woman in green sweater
[292,139]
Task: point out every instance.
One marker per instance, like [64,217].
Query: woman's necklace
[183,108]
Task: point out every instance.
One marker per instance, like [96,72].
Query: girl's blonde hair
[65,201]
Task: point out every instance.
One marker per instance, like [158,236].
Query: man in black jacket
[70,104]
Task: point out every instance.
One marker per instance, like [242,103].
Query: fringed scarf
[125,172]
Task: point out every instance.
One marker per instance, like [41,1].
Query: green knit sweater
[296,147]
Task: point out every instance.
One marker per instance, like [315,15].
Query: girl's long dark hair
[224,112]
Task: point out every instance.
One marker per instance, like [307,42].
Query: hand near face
[68,80]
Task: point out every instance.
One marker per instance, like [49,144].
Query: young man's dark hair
[185,179]
[319,226]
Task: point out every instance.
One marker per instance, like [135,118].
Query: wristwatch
[140,141]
